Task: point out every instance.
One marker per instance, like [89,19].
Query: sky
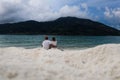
[104,11]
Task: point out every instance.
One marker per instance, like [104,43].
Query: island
[60,26]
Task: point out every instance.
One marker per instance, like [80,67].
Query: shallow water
[64,42]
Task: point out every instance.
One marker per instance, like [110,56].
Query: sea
[64,42]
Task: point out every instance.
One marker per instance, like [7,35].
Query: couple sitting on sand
[47,44]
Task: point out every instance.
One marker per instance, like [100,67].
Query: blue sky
[105,11]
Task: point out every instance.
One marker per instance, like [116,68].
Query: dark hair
[46,38]
[53,39]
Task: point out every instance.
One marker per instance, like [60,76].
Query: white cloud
[108,13]
[69,11]
[63,12]
[116,12]
[40,10]
[1,9]
[113,16]
[112,13]
[85,6]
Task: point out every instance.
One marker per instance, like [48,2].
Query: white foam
[98,63]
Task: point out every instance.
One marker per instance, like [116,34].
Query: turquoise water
[71,42]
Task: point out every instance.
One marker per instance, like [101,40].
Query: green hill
[60,26]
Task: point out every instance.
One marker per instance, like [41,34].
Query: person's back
[46,43]
[53,43]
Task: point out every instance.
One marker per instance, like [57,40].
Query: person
[53,43]
[46,43]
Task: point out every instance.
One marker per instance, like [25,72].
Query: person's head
[46,37]
[53,39]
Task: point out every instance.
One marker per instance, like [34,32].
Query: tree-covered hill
[60,26]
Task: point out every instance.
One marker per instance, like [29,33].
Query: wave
[97,63]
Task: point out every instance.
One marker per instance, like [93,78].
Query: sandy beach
[98,63]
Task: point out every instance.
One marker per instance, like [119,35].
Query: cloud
[9,10]
[116,12]
[40,10]
[112,13]
[18,10]
[72,11]
[85,6]
[108,13]
[112,16]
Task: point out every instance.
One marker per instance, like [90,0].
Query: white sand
[98,63]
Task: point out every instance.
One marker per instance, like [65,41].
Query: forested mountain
[60,26]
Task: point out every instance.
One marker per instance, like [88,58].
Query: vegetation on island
[60,26]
